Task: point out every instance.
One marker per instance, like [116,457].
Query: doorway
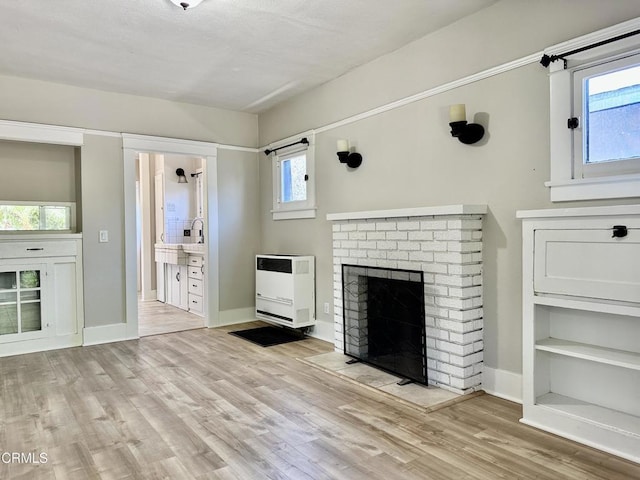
[204,255]
[170,233]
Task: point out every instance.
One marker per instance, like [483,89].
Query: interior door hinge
[573,123]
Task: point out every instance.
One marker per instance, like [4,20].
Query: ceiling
[244,55]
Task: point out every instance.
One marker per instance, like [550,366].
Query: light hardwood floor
[155,318]
[207,405]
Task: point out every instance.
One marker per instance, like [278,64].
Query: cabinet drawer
[195,303]
[35,249]
[195,286]
[195,261]
[588,263]
[195,272]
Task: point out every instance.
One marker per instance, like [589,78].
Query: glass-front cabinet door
[21,302]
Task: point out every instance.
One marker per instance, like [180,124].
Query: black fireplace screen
[384,324]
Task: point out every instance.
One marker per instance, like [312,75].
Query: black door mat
[269,336]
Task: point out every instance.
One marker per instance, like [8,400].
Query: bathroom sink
[193,248]
[168,246]
[170,253]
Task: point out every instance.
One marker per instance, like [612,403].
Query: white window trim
[294,210]
[563,185]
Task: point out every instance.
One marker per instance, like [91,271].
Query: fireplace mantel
[411,212]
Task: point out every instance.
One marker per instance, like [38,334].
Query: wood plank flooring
[156,318]
[202,404]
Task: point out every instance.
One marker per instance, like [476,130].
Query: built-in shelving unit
[41,292]
[581,325]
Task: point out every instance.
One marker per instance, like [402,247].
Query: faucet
[201,234]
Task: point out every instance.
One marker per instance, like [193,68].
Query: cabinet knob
[619,231]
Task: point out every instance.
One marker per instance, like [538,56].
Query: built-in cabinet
[40,293]
[581,325]
[181,277]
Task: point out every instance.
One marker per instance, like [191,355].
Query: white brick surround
[446,244]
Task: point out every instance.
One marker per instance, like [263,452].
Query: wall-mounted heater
[285,290]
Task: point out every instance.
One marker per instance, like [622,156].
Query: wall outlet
[186,233]
[326,307]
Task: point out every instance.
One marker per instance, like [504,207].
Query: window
[595,118]
[607,99]
[29,216]
[293,183]
[293,178]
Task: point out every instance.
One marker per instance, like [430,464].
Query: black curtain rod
[547,59]
[302,140]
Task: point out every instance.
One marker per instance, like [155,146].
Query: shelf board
[588,412]
[592,305]
[609,356]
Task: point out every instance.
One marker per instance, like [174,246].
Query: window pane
[19,217]
[8,314]
[7,280]
[293,183]
[613,116]
[31,317]
[30,279]
[35,217]
[55,218]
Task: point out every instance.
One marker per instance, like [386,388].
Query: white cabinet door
[161,282]
[22,293]
[178,285]
[588,263]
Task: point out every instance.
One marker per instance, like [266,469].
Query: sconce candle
[343,145]
[457,113]
[352,159]
[467,133]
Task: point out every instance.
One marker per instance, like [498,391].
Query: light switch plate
[104,236]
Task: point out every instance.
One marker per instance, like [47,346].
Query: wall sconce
[467,133]
[181,176]
[352,159]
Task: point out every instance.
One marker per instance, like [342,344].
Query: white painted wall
[37,172]
[411,160]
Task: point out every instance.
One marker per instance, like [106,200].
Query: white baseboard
[235,316]
[502,383]
[106,334]
[39,345]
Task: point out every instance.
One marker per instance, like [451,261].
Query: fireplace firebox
[384,319]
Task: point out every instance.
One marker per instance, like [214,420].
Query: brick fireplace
[445,243]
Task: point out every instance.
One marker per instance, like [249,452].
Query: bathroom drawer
[588,263]
[195,286]
[195,272]
[195,261]
[196,304]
